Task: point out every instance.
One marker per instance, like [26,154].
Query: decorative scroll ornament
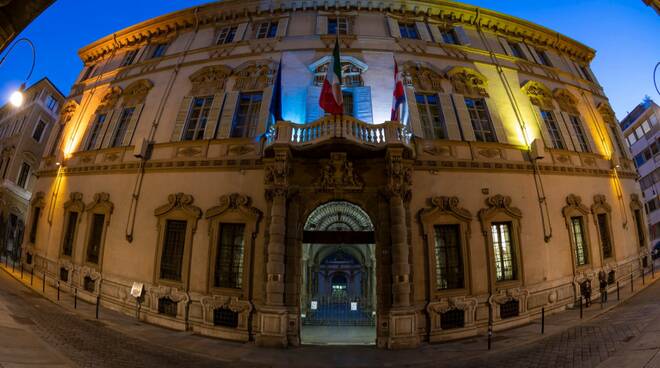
[574,202]
[136,92]
[449,205]
[234,202]
[635,203]
[75,203]
[606,113]
[399,177]
[179,201]
[507,295]
[538,94]
[423,78]
[447,304]
[209,80]
[566,100]
[101,200]
[110,99]
[338,172]
[254,76]
[600,204]
[468,82]
[67,111]
[229,302]
[497,203]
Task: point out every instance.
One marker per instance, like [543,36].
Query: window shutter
[414,119]
[394,27]
[567,134]
[435,32]
[111,127]
[130,129]
[313,111]
[574,138]
[214,116]
[104,129]
[281,27]
[264,111]
[590,136]
[545,133]
[181,118]
[423,31]
[505,45]
[453,131]
[463,117]
[227,116]
[321,24]
[462,36]
[88,133]
[240,32]
[494,114]
[362,104]
[526,52]
[535,56]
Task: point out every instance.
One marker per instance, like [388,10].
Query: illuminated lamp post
[17,98]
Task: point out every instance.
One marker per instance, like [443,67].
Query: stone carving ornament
[338,172]
[136,92]
[254,76]
[566,100]
[468,82]
[110,99]
[67,111]
[209,80]
[235,202]
[399,176]
[423,78]
[179,201]
[538,94]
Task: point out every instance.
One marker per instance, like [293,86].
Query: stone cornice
[438,11]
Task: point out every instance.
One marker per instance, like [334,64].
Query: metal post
[75,298]
[13,265]
[542,321]
[32,275]
[643,272]
[580,306]
[632,287]
[618,295]
[21,271]
[653,268]
[490,324]
[58,291]
[98,301]
[43,287]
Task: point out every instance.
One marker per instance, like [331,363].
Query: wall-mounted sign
[314,305]
[353,306]
[137,289]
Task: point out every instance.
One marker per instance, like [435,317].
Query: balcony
[338,127]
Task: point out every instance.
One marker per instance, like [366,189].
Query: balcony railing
[346,127]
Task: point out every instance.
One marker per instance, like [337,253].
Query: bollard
[43,286]
[98,301]
[580,306]
[13,265]
[542,321]
[632,287]
[58,291]
[75,298]
[643,281]
[490,325]
[618,296]
[32,276]
[653,268]
[21,271]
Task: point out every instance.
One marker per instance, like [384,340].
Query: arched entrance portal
[338,293]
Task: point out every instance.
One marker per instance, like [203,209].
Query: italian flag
[331,100]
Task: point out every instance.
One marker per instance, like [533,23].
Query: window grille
[432,119]
[159,50]
[229,256]
[481,123]
[408,30]
[516,50]
[553,129]
[604,231]
[39,131]
[88,284]
[67,246]
[509,309]
[94,133]
[197,118]
[449,37]
[167,307]
[171,261]
[448,258]
[129,57]
[64,274]
[23,175]
[505,259]
[225,317]
[348,105]
[266,30]
[453,318]
[581,252]
[122,125]
[543,56]
[36,212]
[95,238]
[579,133]
[247,115]
[226,35]
[338,25]
[351,75]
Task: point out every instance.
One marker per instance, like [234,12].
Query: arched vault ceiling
[339,215]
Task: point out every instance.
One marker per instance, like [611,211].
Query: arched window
[351,74]
[602,217]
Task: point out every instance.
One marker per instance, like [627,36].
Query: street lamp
[17,97]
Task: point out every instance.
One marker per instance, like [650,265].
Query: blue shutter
[314,111]
[362,104]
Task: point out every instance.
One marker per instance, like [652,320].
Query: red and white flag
[398,96]
[331,100]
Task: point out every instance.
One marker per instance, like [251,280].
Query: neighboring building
[15,15]
[24,132]
[173,175]
[655,4]
[642,132]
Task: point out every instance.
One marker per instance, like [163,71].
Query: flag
[276,101]
[331,100]
[398,96]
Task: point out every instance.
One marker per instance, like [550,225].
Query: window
[646,127]
[347,97]
[69,233]
[351,75]
[433,122]
[448,257]
[129,57]
[39,131]
[95,238]
[585,73]
[94,133]
[543,57]
[229,256]
[226,35]
[604,231]
[197,117]
[579,133]
[481,124]
[167,307]
[266,29]
[122,125]
[23,175]
[449,36]
[171,261]
[453,318]
[159,50]
[505,260]
[56,142]
[51,103]
[88,284]
[639,132]
[577,230]
[639,223]
[553,129]
[247,115]
[510,309]
[338,25]
[88,72]
[408,30]
[516,50]
[36,212]
[225,317]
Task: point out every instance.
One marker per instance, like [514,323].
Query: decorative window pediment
[209,80]
[254,75]
[110,99]
[468,82]
[635,203]
[101,203]
[566,100]
[67,111]
[351,69]
[75,203]
[38,199]
[443,205]
[179,202]
[538,94]
[600,204]
[136,92]
[573,205]
[498,204]
[235,202]
[423,78]
[606,113]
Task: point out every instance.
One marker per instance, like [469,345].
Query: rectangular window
[430,114]
[348,105]
[481,123]
[449,36]
[226,35]
[505,259]
[229,256]
[604,231]
[95,238]
[516,50]
[159,50]
[197,118]
[36,212]
[579,133]
[553,129]
[129,57]
[51,103]
[122,125]
[448,258]
[266,30]
[56,142]
[639,222]
[338,25]
[70,233]
[94,133]
[577,230]
[585,73]
[23,175]
[543,57]
[88,72]
[39,131]
[408,30]
[174,241]
[247,115]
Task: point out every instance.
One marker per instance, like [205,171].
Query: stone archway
[338,286]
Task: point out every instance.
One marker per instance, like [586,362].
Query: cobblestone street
[625,336]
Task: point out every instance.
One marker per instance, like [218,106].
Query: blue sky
[624,33]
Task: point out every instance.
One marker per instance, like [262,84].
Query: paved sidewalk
[526,344]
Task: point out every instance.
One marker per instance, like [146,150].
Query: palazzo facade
[505,187]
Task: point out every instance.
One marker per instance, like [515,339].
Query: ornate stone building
[506,186]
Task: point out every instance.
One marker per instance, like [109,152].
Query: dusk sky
[624,33]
